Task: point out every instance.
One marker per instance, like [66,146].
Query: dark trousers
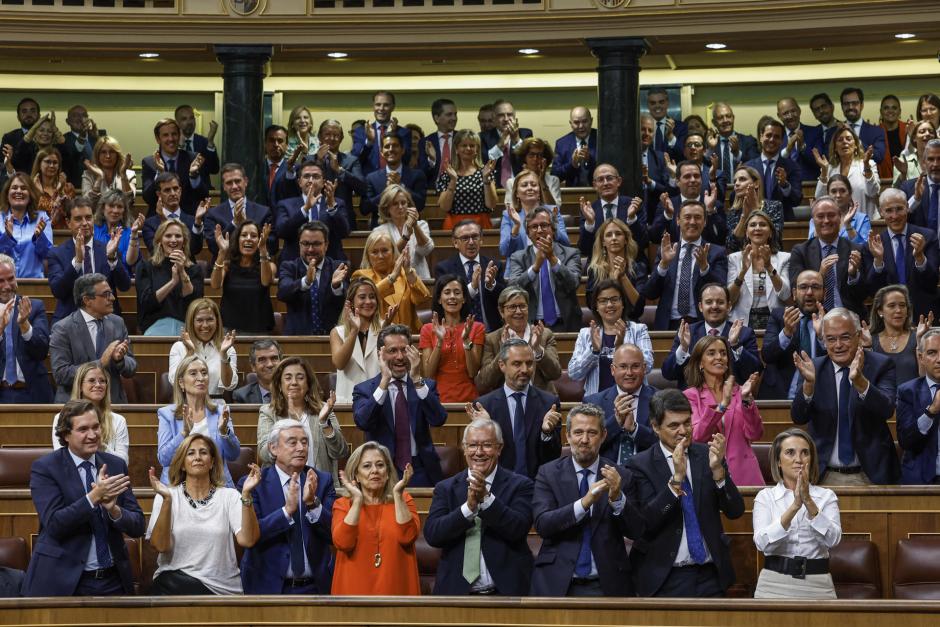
[310,588]
[108,586]
[175,583]
[694,582]
[582,588]
[420,478]
[11,396]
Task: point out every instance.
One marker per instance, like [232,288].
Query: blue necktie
[297,536]
[899,259]
[685,282]
[316,323]
[726,163]
[9,370]
[627,448]
[97,522]
[933,206]
[806,340]
[547,294]
[829,281]
[518,436]
[171,165]
[660,137]
[693,533]
[99,338]
[583,566]
[769,179]
[846,450]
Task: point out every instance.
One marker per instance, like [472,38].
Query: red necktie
[445,153]
[379,128]
[272,174]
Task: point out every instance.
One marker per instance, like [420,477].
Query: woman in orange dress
[375,528]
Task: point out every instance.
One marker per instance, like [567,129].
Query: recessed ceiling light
[337,55]
[149,55]
[528,51]
[905,36]
[716,46]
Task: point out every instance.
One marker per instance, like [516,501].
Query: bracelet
[246,502]
[266,258]
[738,281]
[220,266]
[468,345]
[721,408]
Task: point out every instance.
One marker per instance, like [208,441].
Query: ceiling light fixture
[149,55]
[905,36]
[716,46]
[528,51]
[337,55]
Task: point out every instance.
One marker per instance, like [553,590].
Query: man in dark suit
[684,268]
[367,139]
[499,144]
[655,173]
[714,305]
[904,254]
[823,110]
[313,286]
[709,170]
[626,406]
[731,147]
[294,506]
[482,276]
[546,268]
[799,139]
[340,168]
[917,415]
[668,133]
[790,330]
[317,203]
[169,158]
[782,179]
[527,415]
[681,489]
[194,143]
[842,264]
[81,138]
[394,171]
[853,101]
[82,254]
[93,333]
[169,193]
[923,193]
[690,184]
[236,209]
[576,152]
[24,344]
[85,508]
[438,150]
[610,204]
[398,407]
[582,513]
[480,520]
[847,398]
[263,357]
[275,165]
[27,114]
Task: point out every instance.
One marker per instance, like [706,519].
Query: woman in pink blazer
[708,373]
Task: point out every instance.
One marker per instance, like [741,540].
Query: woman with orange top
[375,528]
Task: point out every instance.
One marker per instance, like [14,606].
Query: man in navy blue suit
[482,276]
[583,510]
[236,209]
[730,146]
[683,268]
[691,187]
[499,144]
[86,506]
[917,415]
[853,102]
[626,406]
[398,407]
[528,416]
[655,174]
[823,110]
[168,193]
[81,138]
[714,305]
[169,158]
[82,254]
[193,142]
[799,139]
[313,286]
[275,165]
[24,344]
[437,150]
[480,520]
[782,180]
[27,114]
[710,171]
[576,152]
[923,193]
[367,139]
[294,506]
[847,398]
[681,489]
[790,330]
[317,203]
[610,204]
[394,172]
[669,134]
[904,254]
[341,168]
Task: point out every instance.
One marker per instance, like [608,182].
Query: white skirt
[774,585]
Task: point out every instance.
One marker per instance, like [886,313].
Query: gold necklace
[893,340]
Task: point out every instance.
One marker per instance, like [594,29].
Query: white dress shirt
[680,255]
[683,557]
[806,537]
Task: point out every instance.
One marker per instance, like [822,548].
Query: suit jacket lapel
[82,333]
[660,464]
[693,457]
[531,419]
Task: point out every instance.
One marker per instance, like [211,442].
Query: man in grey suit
[93,333]
[264,356]
[547,267]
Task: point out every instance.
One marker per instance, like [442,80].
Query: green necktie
[471,552]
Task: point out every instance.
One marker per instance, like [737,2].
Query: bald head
[580,120]
[628,367]
[788,112]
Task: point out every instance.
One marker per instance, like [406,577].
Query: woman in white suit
[353,340]
[757,275]
[848,158]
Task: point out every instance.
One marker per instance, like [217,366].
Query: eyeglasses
[487,447]
[694,145]
[106,295]
[518,307]
[605,179]
[468,238]
[304,244]
[803,287]
[845,338]
[540,226]
[613,300]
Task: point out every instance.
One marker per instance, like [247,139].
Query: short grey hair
[85,286]
[845,314]
[647,116]
[511,292]
[511,343]
[892,193]
[821,199]
[263,345]
[933,144]
[282,425]
[8,261]
[479,424]
[586,409]
[922,342]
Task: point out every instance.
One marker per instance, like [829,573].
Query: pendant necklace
[377,558]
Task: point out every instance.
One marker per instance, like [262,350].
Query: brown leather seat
[278,323]
[239,467]
[164,390]
[15,465]
[586,316]
[648,317]
[762,453]
[452,460]
[856,569]
[428,559]
[917,568]
[656,379]
[133,551]
[569,390]
[14,553]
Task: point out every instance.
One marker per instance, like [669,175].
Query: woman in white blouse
[92,383]
[401,221]
[757,275]
[353,340]
[795,523]
[848,158]
[202,336]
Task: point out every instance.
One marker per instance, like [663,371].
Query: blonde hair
[176,473]
[158,255]
[104,410]
[190,323]
[352,465]
[465,135]
[600,264]
[372,240]
[354,286]
[388,197]
[112,143]
[515,187]
[294,114]
[179,395]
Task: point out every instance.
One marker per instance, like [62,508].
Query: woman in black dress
[245,272]
[167,282]
[891,330]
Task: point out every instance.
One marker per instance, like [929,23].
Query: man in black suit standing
[681,489]
[583,515]
[481,519]
[275,165]
[27,114]
[169,158]
[230,213]
[193,142]
[781,176]
[668,133]
[499,144]
[482,275]
[731,146]
[341,168]
[263,356]
[611,204]
[527,415]
[923,193]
